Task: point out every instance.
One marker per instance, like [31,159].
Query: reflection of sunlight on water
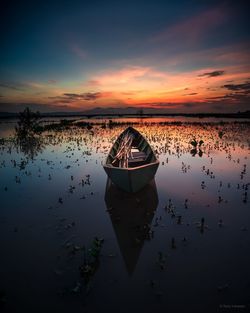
[180,172]
[168,119]
[213,186]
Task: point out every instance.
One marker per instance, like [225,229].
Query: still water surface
[156,255]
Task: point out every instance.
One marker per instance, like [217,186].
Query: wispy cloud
[192,29]
[52,81]
[222,56]
[239,93]
[238,87]
[239,98]
[191,94]
[138,84]
[212,74]
[93,83]
[20,86]
[121,76]
[83,96]
[78,51]
[79,97]
[13,86]
[234,54]
[42,107]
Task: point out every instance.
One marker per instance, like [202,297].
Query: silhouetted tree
[140,112]
[27,124]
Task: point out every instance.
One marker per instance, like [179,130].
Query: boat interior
[140,153]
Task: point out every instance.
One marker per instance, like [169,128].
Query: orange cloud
[135,84]
[122,76]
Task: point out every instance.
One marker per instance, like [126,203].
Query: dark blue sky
[49,49]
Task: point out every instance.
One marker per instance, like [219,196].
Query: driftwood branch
[124,150]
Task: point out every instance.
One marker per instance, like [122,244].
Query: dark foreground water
[157,254]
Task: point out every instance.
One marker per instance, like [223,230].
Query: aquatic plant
[195,143]
[26,137]
[195,151]
[27,124]
[197,147]
[220,134]
[91,260]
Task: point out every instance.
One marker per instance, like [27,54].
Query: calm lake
[180,245]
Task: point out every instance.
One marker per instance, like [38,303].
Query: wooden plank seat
[138,155]
[137,159]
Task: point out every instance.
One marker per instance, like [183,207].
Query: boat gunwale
[131,168]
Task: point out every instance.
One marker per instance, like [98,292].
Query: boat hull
[132,179]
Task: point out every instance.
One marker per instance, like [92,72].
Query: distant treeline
[67,124]
[245,114]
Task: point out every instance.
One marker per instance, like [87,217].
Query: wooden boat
[131,163]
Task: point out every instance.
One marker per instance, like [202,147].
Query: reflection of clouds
[172,142]
[170,138]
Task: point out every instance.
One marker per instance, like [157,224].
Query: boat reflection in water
[131,215]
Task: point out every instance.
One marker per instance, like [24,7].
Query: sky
[172,56]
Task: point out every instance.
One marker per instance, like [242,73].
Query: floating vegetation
[161,260]
[26,138]
[201,225]
[197,147]
[54,194]
[27,124]
[220,134]
[195,143]
[173,244]
[91,261]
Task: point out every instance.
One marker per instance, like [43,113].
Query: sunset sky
[177,56]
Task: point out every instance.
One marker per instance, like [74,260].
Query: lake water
[180,245]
